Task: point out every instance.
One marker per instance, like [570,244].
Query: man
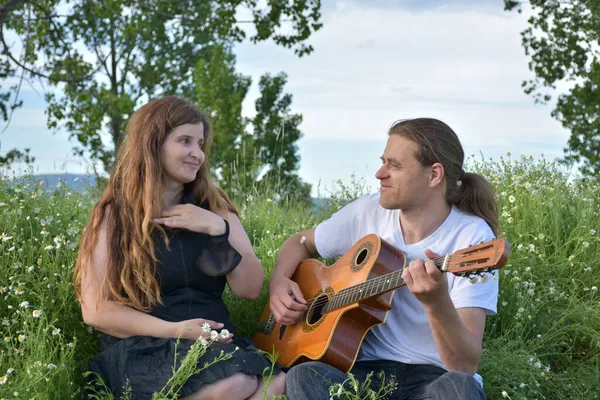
[427,205]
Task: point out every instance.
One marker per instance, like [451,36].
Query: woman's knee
[237,386]
[277,385]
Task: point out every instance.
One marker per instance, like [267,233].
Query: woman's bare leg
[237,387]
[276,387]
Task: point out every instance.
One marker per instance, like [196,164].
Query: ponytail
[476,196]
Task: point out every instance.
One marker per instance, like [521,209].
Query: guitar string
[346,294]
[364,286]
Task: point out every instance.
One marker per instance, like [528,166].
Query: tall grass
[543,344]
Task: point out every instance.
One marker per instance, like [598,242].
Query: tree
[220,92]
[563,41]
[109,56]
[276,131]
[8,104]
[246,149]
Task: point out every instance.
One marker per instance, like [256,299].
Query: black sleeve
[218,257]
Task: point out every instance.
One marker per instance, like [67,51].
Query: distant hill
[74,181]
[81,181]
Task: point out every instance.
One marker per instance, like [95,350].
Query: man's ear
[436,176]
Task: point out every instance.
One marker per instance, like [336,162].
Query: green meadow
[543,344]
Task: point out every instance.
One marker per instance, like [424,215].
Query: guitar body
[333,337]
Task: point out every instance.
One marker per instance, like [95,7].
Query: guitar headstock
[483,257]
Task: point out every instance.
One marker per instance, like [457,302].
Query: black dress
[188,292]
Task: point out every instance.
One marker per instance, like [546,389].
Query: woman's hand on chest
[192,218]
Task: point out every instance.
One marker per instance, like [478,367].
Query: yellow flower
[21,338]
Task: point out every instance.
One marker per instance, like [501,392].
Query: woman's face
[182,153]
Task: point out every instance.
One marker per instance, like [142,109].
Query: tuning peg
[484,278]
[473,279]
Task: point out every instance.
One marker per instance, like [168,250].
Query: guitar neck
[373,287]
[362,291]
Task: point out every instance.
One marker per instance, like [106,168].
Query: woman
[161,244]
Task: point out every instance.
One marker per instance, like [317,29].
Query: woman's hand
[194,328]
[192,218]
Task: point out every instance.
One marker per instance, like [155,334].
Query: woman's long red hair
[134,192]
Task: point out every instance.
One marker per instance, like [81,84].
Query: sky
[375,62]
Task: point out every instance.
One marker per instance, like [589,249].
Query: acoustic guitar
[354,294]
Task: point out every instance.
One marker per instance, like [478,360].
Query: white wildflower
[511,198]
[21,338]
[214,335]
[206,327]
[37,313]
[24,304]
[55,331]
[224,334]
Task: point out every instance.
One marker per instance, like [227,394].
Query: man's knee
[457,385]
[301,372]
[311,380]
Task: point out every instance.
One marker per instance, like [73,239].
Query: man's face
[404,181]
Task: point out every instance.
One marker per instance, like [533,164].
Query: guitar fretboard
[364,290]
[369,288]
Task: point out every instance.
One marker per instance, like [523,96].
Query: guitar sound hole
[316,310]
[360,258]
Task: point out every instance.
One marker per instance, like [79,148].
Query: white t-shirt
[406,335]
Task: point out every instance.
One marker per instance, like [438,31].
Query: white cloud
[372,66]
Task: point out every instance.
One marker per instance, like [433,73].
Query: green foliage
[352,388]
[108,57]
[15,155]
[544,343]
[220,92]
[243,148]
[563,39]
